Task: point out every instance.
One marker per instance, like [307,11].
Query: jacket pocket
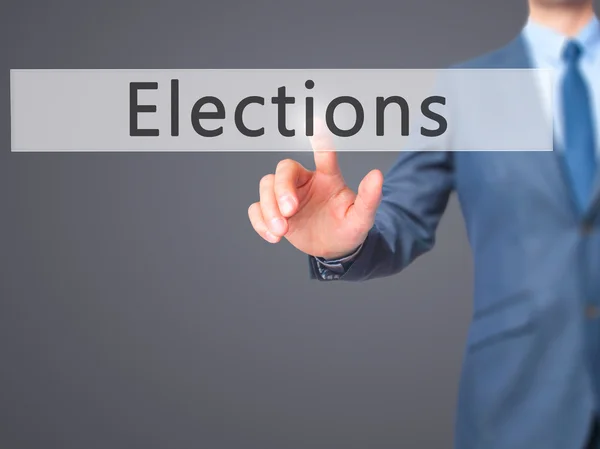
[506,319]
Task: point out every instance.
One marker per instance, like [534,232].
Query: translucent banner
[276,110]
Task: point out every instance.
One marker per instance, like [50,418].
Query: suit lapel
[516,56]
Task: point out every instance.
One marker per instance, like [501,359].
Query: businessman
[531,372]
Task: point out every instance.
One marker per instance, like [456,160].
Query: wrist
[341,257]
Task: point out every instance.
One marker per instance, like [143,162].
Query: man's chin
[563,2]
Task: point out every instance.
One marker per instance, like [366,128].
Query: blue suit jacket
[527,379]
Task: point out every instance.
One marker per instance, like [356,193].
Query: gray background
[139,310]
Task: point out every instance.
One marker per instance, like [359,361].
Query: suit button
[587,228]
[592,312]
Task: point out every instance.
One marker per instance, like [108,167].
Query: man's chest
[533,185]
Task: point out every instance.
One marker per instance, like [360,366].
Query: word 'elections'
[200,117]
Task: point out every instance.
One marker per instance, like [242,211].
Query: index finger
[324,149]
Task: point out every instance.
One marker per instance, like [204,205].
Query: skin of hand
[315,210]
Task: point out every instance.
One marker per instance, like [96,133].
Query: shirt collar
[547,44]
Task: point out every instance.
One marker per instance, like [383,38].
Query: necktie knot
[572,52]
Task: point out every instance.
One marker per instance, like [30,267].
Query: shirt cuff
[335,268]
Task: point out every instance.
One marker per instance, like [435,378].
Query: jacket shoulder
[508,56]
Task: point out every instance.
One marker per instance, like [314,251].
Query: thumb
[362,212]
[323,147]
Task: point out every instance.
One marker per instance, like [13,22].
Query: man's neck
[568,20]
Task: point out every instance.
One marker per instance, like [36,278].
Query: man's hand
[315,210]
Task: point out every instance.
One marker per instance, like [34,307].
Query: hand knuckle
[266,180]
[252,209]
[285,164]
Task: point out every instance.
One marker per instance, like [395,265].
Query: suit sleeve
[415,195]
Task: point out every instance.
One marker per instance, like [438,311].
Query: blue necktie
[579,151]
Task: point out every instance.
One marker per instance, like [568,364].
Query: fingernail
[286,204]
[278,225]
[271,238]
